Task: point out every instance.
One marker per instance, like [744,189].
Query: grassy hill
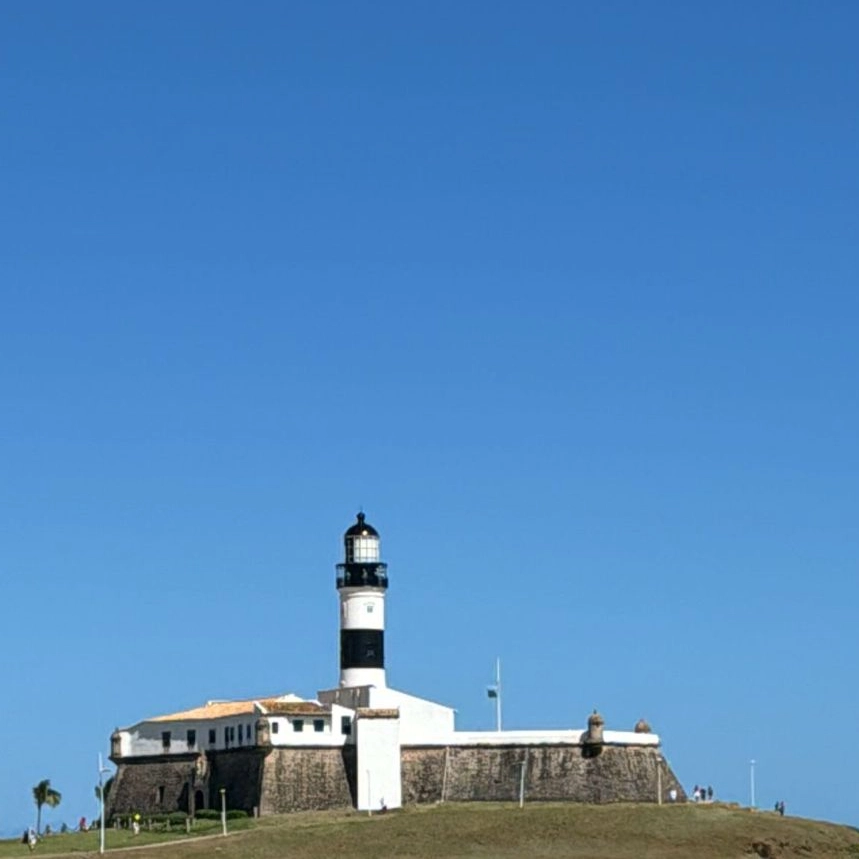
[481,831]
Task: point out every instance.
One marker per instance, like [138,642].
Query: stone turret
[592,741]
[263,732]
[642,726]
[116,746]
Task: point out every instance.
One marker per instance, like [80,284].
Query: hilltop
[549,831]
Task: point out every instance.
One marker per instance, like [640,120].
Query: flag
[492,692]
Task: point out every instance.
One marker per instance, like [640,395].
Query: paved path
[89,853]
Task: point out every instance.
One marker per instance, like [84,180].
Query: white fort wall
[540,738]
[287,732]
[232,732]
[421,721]
[378,763]
[148,738]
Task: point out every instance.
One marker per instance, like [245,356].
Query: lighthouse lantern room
[362,580]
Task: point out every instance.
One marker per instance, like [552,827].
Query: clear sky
[564,294]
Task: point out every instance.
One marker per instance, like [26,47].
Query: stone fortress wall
[559,773]
[280,780]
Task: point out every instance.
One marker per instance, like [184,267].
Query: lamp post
[752,781]
[223,811]
[659,779]
[101,771]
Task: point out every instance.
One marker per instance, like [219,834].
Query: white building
[362,713]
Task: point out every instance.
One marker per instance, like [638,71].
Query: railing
[358,575]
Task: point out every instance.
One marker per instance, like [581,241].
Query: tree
[44,794]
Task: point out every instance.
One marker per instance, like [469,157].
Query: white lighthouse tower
[361,582]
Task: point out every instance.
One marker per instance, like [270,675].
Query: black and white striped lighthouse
[362,580]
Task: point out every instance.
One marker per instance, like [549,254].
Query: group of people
[31,837]
[702,794]
[779,807]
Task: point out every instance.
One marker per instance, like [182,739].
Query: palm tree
[44,794]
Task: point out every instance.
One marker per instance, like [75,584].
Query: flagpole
[494,691]
[498,694]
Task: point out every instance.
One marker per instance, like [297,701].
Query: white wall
[379,766]
[351,697]
[331,735]
[421,721]
[525,738]
[145,738]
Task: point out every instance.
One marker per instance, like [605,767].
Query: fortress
[365,745]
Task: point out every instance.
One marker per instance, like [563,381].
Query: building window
[213,737]
[165,740]
[192,738]
[226,736]
[319,725]
[275,727]
[298,725]
[345,725]
[161,794]
[241,734]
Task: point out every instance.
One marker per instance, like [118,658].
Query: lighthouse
[362,580]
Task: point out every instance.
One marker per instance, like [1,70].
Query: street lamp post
[223,811]
[101,771]
[752,781]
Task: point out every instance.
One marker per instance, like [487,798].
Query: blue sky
[563,294]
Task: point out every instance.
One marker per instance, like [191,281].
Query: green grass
[87,842]
[496,831]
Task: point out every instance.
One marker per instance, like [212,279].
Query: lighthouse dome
[361,542]
[361,528]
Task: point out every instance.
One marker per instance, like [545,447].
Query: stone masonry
[153,785]
[552,772]
[304,779]
[280,780]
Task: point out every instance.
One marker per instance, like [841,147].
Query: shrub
[215,814]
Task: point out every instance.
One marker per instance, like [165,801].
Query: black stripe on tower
[362,648]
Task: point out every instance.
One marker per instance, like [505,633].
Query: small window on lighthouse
[369,607]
